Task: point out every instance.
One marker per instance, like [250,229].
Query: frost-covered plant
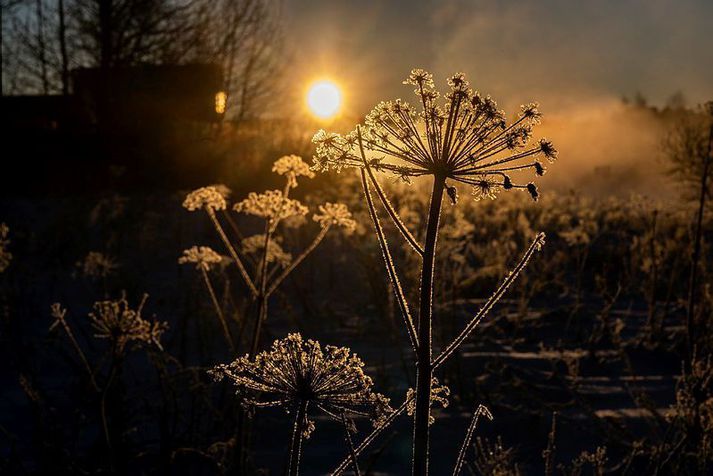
[272,263]
[296,374]
[204,258]
[97,265]
[115,321]
[462,139]
[5,255]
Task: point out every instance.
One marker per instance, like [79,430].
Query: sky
[561,52]
[577,59]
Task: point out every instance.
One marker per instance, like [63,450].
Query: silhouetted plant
[465,140]
[295,374]
[264,250]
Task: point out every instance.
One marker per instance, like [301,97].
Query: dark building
[138,119]
[129,97]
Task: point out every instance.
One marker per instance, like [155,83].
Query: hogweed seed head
[335,214]
[464,137]
[208,198]
[295,371]
[271,205]
[292,166]
[202,256]
[116,321]
[486,188]
[275,254]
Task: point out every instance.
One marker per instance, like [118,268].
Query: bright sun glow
[324,99]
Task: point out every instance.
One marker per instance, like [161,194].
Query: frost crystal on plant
[295,371]
[203,257]
[292,166]
[271,205]
[439,394]
[116,321]
[335,214]
[464,138]
[209,198]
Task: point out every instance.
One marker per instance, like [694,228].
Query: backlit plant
[462,139]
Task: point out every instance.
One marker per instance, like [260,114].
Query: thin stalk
[390,268]
[218,309]
[59,314]
[387,204]
[233,253]
[424,354]
[296,445]
[481,410]
[494,298]
[449,350]
[371,437]
[350,445]
[692,282]
[317,240]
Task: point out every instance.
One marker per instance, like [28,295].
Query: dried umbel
[464,138]
[255,245]
[296,371]
[97,265]
[271,205]
[208,198]
[202,256]
[336,214]
[116,321]
[5,255]
[292,166]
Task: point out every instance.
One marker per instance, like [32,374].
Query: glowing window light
[221,99]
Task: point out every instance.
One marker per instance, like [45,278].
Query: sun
[324,99]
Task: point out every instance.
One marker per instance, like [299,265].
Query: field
[591,337]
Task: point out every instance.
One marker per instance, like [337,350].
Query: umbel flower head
[271,205]
[335,214]
[202,256]
[209,198]
[116,321]
[97,265]
[275,253]
[464,138]
[292,166]
[296,371]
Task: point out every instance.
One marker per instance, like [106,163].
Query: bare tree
[244,37]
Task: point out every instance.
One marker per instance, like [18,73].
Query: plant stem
[423,366]
[218,309]
[233,253]
[317,240]
[692,283]
[390,268]
[296,445]
[350,445]
[481,410]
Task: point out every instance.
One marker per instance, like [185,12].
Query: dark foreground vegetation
[597,360]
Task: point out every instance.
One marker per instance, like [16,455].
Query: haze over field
[577,59]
